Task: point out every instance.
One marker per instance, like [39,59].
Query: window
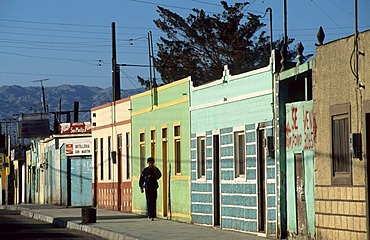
[239,153]
[109,158]
[177,144]
[152,143]
[340,148]
[119,151]
[201,156]
[101,159]
[142,151]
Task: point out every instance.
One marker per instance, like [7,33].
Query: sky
[55,42]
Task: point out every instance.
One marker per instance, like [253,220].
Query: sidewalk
[117,225]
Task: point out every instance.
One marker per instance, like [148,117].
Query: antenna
[43,103]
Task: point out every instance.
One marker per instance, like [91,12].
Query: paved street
[14,226]
[117,225]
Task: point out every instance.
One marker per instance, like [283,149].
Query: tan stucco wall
[340,210]
[111,120]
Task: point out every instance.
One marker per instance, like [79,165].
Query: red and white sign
[69,149]
[76,127]
[78,149]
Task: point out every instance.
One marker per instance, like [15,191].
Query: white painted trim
[239,194]
[240,219]
[202,203]
[232,99]
[202,214]
[215,132]
[232,78]
[239,206]
[239,129]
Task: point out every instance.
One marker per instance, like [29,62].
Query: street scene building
[233,165]
[341,106]
[280,151]
[160,129]
[111,154]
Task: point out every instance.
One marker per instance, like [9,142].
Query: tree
[200,45]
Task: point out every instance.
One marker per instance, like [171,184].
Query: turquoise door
[80,175]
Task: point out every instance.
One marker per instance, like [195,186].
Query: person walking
[148,181]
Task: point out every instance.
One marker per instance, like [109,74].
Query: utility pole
[43,102]
[284,48]
[116,88]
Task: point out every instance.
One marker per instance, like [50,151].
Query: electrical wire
[54,58]
[326,14]
[54,75]
[130,79]
[349,13]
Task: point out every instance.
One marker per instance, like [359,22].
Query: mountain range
[15,100]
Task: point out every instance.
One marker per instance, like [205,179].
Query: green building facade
[161,129]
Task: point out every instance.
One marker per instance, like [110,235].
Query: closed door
[165,175]
[300,195]
[216,181]
[261,159]
[79,173]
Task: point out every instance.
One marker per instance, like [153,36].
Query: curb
[69,224]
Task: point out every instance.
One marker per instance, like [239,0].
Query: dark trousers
[151,199]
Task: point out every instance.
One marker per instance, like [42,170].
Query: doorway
[261,167]
[119,171]
[300,195]
[165,174]
[216,181]
[95,185]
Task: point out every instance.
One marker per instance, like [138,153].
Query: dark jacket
[149,177]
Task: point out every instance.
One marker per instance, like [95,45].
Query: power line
[130,79]
[54,75]
[54,58]
[70,24]
[344,10]
[326,14]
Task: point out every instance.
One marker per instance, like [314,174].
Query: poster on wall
[78,149]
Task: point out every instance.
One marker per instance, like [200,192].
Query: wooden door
[300,195]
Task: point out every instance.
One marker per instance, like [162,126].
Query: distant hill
[15,99]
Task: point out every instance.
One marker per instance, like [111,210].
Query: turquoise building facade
[233,169]
[296,124]
[300,139]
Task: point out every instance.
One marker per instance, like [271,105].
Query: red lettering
[294,118]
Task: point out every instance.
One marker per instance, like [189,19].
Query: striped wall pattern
[239,203]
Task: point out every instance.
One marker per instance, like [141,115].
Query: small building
[233,168]
[161,129]
[341,103]
[67,166]
[296,123]
[18,159]
[111,136]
